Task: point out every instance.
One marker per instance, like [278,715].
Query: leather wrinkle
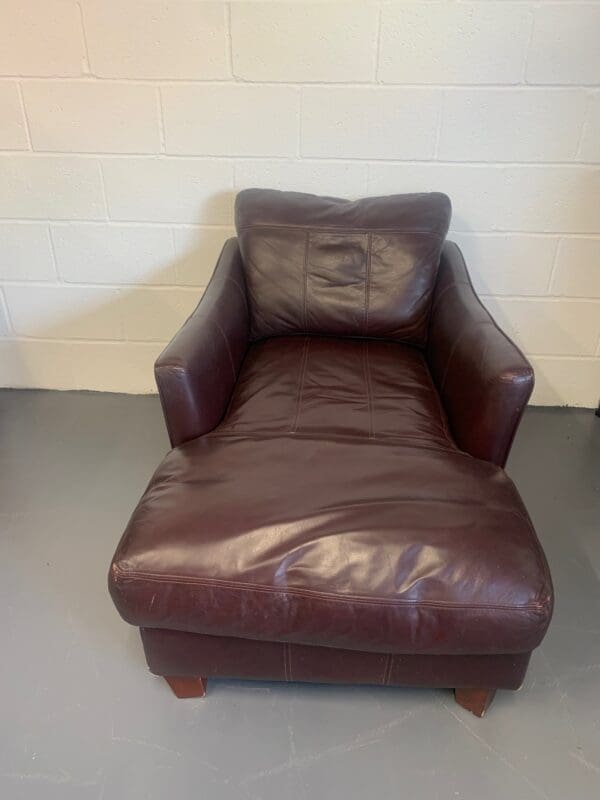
[367,370]
[467,328]
[122,573]
[367,281]
[337,414]
[228,348]
[341,229]
[301,383]
[306,249]
[387,672]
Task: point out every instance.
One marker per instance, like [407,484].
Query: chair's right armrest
[484,380]
[198,369]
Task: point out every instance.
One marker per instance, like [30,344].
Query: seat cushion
[344,268]
[380,545]
[314,385]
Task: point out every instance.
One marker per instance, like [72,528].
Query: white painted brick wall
[13,130]
[41,38]
[50,187]
[231,120]
[450,43]
[114,254]
[169,190]
[92,117]
[162,40]
[589,149]
[64,312]
[304,42]
[127,127]
[577,272]
[153,314]
[197,251]
[511,125]
[358,123]
[508,263]
[564,44]
[26,252]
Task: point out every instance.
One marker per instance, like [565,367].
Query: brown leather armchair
[334,508]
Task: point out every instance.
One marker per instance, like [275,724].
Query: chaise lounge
[334,508]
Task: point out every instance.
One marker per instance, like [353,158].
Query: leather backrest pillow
[322,265]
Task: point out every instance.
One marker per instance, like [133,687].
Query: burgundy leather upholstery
[323,265]
[196,373]
[407,549]
[330,387]
[179,653]
[483,378]
[337,492]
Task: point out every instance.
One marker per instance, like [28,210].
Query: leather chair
[334,508]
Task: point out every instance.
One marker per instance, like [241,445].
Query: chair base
[477,701]
[181,657]
[184,687]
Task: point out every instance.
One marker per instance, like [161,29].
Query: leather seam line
[327,597]
[387,673]
[305,275]
[367,370]
[240,289]
[229,353]
[301,384]
[439,295]
[337,228]
[466,330]
[367,282]
[391,440]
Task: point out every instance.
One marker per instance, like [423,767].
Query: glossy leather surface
[483,378]
[338,492]
[405,549]
[181,653]
[323,265]
[197,371]
[328,387]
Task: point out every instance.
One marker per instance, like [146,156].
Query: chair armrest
[196,372]
[484,380]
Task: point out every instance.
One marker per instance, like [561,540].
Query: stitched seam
[439,295]
[441,410]
[466,330]
[229,353]
[239,287]
[388,669]
[285,666]
[162,377]
[305,268]
[301,384]
[367,282]
[367,370]
[239,586]
[393,440]
[352,229]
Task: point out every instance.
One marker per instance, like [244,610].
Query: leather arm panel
[484,380]
[197,370]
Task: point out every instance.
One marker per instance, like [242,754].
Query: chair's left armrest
[484,380]
[198,369]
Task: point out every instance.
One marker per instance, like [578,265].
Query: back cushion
[336,267]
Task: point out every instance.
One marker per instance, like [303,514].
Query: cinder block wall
[127,127]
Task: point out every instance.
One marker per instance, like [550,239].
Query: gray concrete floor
[81,717]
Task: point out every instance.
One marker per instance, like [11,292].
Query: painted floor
[81,717]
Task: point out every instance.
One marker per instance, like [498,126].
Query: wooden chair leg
[477,701]
[187,687]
